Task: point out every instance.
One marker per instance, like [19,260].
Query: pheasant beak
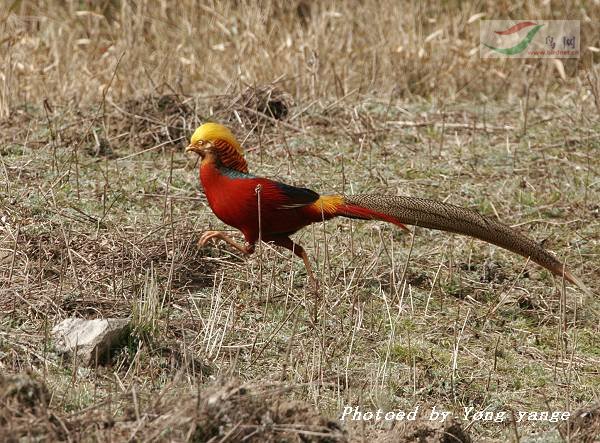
[198,148]
[191,148]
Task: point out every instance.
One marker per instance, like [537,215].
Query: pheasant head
[214,142]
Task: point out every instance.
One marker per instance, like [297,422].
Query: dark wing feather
[295,197]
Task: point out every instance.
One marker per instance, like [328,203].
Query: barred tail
[447,217]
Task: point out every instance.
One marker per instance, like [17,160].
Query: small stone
[90,341]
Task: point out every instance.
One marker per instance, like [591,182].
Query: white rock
[89,340]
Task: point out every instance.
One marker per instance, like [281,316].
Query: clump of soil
[229,410]
[584,425]
[257,413]
[427,431]
[24,412]
[263,104]
[23,392]
[154,119]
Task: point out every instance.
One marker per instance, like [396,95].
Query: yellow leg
[311,277]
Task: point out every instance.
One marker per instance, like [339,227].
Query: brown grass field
[101,209]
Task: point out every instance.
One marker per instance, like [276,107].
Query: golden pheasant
[267,210]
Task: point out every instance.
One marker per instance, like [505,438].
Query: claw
[208,236]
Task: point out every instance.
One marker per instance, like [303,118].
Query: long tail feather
[451,218]
[350,210]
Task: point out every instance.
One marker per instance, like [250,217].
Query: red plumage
[234,198]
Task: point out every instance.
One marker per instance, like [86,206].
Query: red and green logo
[519,47]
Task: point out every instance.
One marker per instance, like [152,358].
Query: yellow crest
[212,132]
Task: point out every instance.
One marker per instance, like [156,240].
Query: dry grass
[100,211]
[68,51]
